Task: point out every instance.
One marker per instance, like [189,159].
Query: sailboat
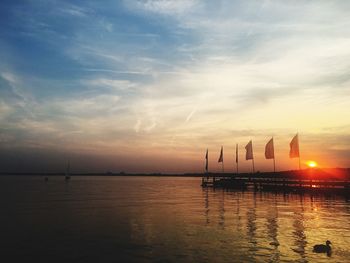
[67,175]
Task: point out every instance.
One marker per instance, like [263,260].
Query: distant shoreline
[105,174]
[323,172]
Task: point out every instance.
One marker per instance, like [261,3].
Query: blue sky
[149,85]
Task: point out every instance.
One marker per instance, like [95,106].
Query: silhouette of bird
[323,248]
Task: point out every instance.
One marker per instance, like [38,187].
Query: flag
[206,161]
[294,147]
[221,158]
[249,151]
[269,150]
[237,153]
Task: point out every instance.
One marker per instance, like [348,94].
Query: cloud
[15,99]
[75,11]
[163,7]
[9,77]
[121,72]
[111,83]
[189,116]
[137,126]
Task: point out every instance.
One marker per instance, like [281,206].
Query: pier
[315,180]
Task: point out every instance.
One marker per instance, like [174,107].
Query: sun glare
[312,164]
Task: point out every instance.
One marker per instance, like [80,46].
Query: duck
[323,248]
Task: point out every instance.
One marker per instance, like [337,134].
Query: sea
[164,219]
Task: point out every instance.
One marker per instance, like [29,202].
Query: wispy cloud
[166,7]
[74,10]
[189,116]
[111,83]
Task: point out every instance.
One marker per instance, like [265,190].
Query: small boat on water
[67,175]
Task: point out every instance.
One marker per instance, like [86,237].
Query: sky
[148,86]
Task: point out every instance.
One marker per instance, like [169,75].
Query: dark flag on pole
[237,153]
[237,158]
[294,147]
[249,151]
[206,161]
[221,158]
[269,150]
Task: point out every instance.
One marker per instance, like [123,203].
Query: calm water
[144,219]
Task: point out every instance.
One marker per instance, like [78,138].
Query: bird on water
[323,248]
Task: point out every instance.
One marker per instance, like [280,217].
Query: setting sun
[311,164]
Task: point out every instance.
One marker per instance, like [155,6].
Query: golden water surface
[165,219]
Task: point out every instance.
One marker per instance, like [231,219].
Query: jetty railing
[287,180]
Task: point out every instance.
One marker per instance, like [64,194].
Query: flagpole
[299,151]
[253,165]
[237,158]
[207,163]
[223,169]
[205,175]
[274,161]
[253,159]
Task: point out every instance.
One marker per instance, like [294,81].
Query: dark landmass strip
[314,173]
